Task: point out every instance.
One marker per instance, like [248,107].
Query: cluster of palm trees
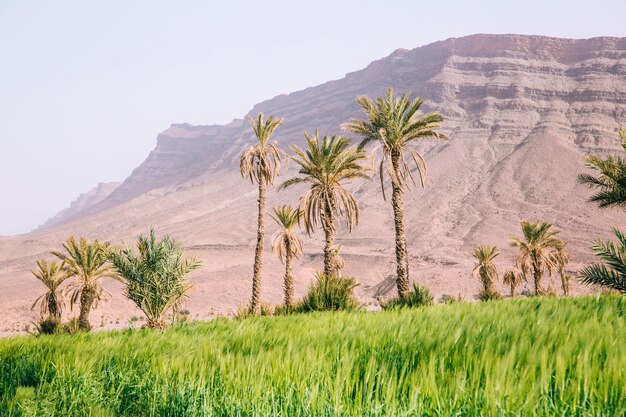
[154,278]
[540,252]
[326,166]
[155,275]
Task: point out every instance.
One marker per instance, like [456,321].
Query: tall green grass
[540,356]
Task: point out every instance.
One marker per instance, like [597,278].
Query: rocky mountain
[520,111]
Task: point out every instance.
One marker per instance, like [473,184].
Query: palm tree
[512,278]
[260,163]
[395,124]
[611,181]
[52,276]
[537,249]
[87,262]
[326,166]
[287,244]
[612,193]
[485,268]
[155,276]
[561,259]
[612,274]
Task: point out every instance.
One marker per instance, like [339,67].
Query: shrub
[71,327]
[244,311]
[329,293]
[49,325]
[451,299]
[488,295]
[418,297]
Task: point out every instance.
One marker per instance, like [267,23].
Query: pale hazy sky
[85,86]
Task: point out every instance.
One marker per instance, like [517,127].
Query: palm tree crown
[611,181]
[287,218]
[327,165]
[52,275]
[262,161]
[512,278]
[612,273]
[537,250]
[394,124]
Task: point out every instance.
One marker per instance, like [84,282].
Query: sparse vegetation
[329,293]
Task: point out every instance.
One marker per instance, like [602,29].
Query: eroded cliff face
[521,112]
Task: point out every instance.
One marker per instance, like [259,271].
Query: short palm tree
[561,259]
[611,274]
[537,249]
[88,263]
[485,268]
[395,124]
[327,165]
[52,276]
[155,276]
[512,278]
[611,179]
[260,163]
[287,244]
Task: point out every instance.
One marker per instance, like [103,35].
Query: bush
[329,293]
[71,327]
[418,297]
[243,311]
[451,299]
[488,295]
[49,325]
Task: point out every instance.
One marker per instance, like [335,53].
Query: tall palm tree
[88,263]
[561,259]
[155,276]
[287,244]
[327,166]
[512,278]
[611,274]
[485,267]
[395,124]
[260,163]
[52,276]
[537,250]
[611,179]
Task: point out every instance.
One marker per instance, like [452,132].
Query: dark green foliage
[611,274]
[418,297]
[49,325]
[329,293]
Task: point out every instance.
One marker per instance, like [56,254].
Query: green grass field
[546,357]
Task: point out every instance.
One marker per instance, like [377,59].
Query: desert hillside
[520,111]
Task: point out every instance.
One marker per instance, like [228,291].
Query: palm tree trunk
[564,282]
[288,276]
[397,197]
[512,290]
[53,307]
[537,276]
[258,253]
[87,297]
[330,253]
